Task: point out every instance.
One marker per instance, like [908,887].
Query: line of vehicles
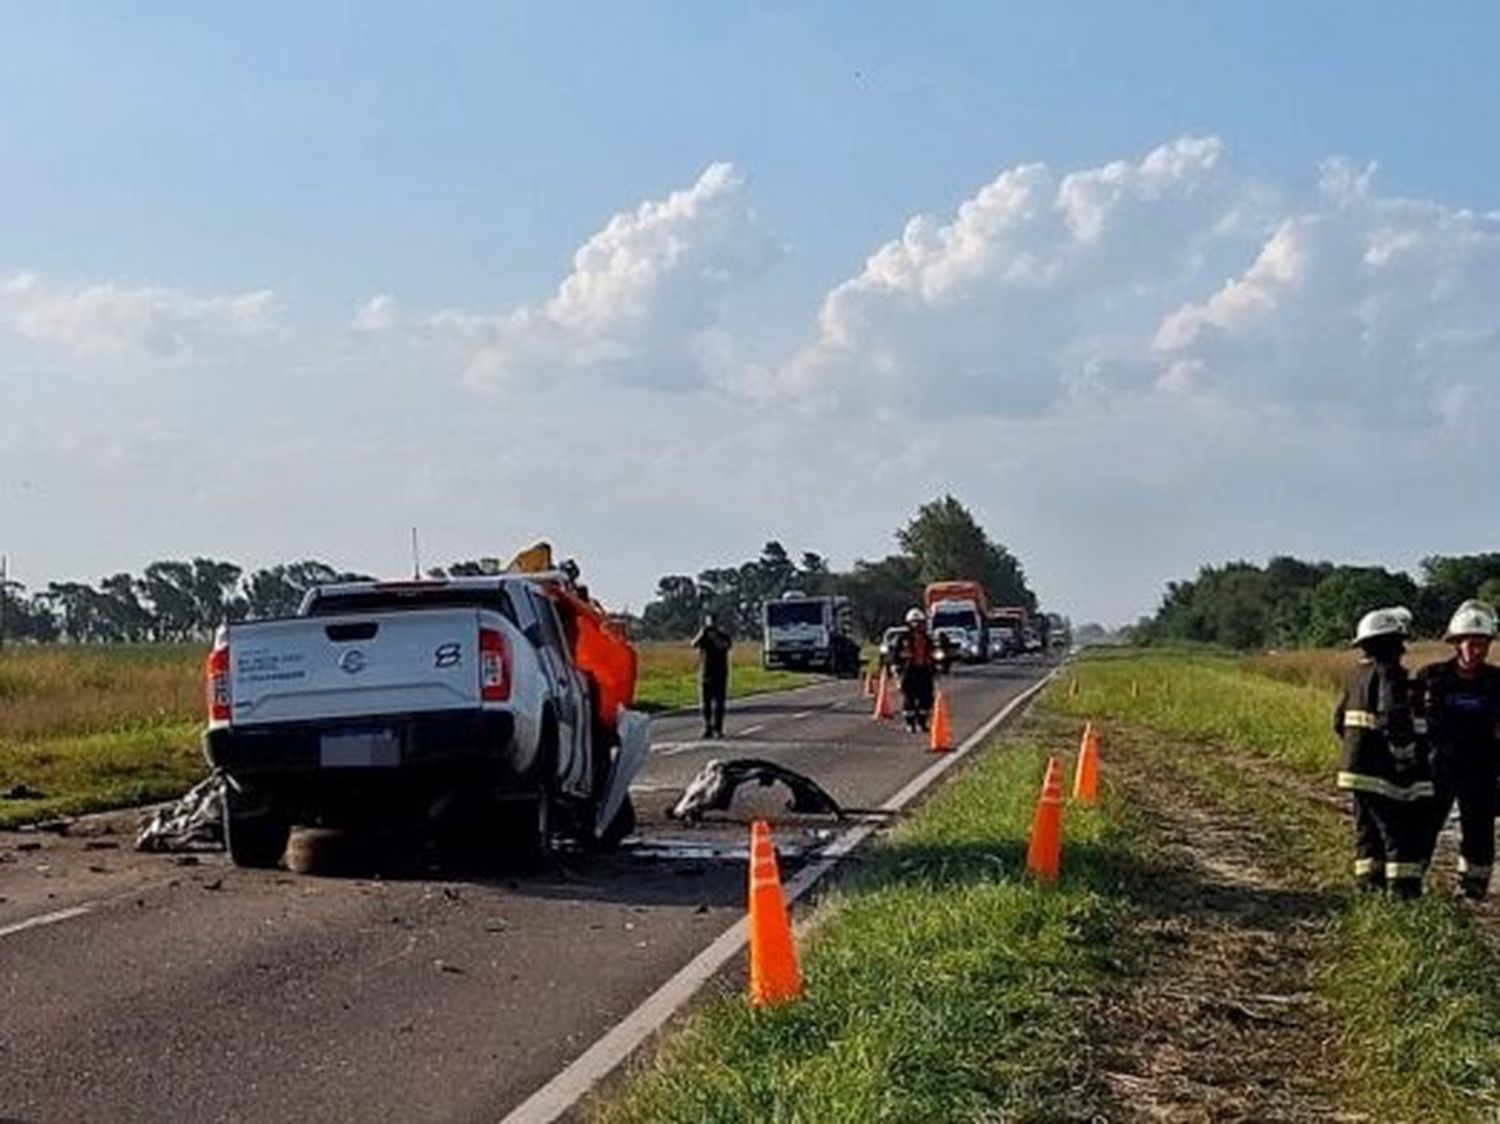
[816,633]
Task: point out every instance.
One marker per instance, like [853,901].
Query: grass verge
[942,985]
[1414,987]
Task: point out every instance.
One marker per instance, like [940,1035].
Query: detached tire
[254,834]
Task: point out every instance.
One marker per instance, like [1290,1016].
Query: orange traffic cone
[1086,776]
[941,738]
[1044,852]
[774,974]
[885,708]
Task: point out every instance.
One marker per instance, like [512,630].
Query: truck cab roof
[490,591]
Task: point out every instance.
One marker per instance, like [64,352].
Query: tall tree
[948,542]
[881,592]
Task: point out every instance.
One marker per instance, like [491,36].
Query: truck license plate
[360,749]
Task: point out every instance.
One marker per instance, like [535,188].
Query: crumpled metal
[714,787]
[195,822]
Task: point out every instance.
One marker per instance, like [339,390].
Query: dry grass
[76,691]
[1326,667]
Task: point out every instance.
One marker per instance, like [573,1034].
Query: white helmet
[1382,622]
[916,616]
[1472,618]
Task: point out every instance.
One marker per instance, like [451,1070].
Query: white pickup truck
[456,701]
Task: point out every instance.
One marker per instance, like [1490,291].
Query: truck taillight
[216,683]
[494,666]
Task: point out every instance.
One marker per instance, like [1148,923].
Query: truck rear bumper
[389,743]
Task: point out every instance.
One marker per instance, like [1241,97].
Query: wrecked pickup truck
[494,708]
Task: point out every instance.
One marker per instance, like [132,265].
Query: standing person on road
[1382,765]
[915,657]
[1460,700]
[713,645]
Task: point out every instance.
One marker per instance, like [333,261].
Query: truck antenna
[416,557]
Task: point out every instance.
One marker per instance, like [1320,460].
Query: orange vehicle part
[601,649]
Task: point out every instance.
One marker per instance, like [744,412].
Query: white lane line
[672,749]
[570,1086]
[47,919]
[749,730]
[802,714]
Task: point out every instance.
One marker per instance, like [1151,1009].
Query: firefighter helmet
[1472,618]
[1382,622]
[916,616]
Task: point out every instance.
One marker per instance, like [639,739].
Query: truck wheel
[255,835]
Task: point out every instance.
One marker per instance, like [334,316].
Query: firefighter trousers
[1390,838]
[1473,789]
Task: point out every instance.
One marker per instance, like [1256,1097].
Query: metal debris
[193,823]
[713,789]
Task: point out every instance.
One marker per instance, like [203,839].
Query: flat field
[90,728]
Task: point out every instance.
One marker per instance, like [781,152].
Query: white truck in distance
[454,703]
[809,634]
[962,625]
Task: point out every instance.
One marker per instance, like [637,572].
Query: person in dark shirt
[1459,699]
[713,645]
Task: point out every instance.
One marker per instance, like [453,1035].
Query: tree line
[1289,603]
[942,541]
[180,601]
[170,602]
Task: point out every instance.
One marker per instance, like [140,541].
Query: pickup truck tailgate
[355,666]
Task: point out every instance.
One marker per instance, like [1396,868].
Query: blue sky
[197,208]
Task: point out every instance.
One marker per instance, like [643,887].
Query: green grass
[943,984]
[1415,986]
[97,772]
[668,676]
[1208,698]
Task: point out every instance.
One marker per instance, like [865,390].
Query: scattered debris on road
[193,823]
[713,789]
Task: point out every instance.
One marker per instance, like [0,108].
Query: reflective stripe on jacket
[1380,750]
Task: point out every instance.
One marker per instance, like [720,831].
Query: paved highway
[144,987]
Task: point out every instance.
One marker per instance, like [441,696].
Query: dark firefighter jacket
[1374,719]
[1462,715]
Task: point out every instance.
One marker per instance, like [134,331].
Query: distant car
[888,644]
[944,656]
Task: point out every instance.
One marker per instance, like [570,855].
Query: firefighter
[915,657]
[1460,701]
[1382,766]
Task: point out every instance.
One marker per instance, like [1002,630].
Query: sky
[1145,286]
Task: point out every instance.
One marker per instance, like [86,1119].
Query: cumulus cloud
[1044,290]
[642,304]
[1383,306]
[109,321]
[1037,286]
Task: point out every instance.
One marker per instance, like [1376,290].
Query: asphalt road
[148,988]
